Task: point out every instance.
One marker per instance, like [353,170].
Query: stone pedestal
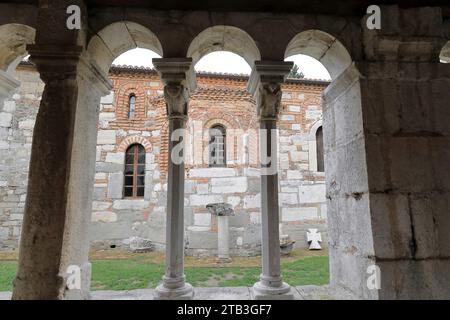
[222,211]
[175,74]
[265,84]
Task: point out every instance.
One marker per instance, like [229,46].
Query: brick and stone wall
[17,116]
[219,99]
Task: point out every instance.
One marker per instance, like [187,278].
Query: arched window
[131,105]
[319,150]
[217,155]
[134,180]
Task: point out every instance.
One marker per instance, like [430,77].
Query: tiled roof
[128,68]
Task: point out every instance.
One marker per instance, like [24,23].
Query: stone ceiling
[348,7]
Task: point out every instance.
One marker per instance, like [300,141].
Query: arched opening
[224,38]
[336,120]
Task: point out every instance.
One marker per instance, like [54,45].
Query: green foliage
[296,73]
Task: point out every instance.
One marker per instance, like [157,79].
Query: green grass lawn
[140,272]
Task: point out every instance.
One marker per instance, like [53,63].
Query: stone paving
[310,292]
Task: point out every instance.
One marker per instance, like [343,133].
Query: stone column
[55,231]
[265,84]
[222,211]
[176,75]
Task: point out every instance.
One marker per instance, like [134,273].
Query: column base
[260,291]
[174,289]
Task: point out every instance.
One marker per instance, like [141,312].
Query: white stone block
[234,201]
[109,99]
[212,172]
[103,216]
[294,175]
[252,201]
[26,124]
[294,108]
[115,157]
[100,205]
[203,188]
[296,126]
[288,198]
[312,193]
[130,204]
[298,214]
[229,185]
[202,219]
[287,117]
[255,217]
[107,116]
[297,156]
[5,119]
[9,106]
[106,137]
[252,172]
[203,200]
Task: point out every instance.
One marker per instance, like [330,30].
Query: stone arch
[322,46]
[444,55]
[123,146]
[224,38]
[117,38]
[13,41]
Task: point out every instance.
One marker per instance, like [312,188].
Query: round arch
[117,38]
[13,41]
[322,46]
[129,141]
[224,38]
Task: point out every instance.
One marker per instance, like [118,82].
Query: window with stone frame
[217,146]
[131,106]
[134,173]
[319,150]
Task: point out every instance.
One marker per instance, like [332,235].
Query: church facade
[221,161]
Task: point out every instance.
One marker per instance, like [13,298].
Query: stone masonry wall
[17,116]
[219,99]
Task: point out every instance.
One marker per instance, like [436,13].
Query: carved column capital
[57,63]
[179,80]
[269,100]
[177,99]
[265,85]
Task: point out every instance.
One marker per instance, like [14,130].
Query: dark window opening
[319,150]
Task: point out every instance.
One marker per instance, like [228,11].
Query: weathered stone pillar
[55,230]
[265,84]
[178,81]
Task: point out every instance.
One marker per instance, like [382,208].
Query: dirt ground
[158,257]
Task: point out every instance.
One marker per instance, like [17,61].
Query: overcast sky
[223,61]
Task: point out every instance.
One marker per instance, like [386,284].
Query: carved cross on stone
[314,238]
